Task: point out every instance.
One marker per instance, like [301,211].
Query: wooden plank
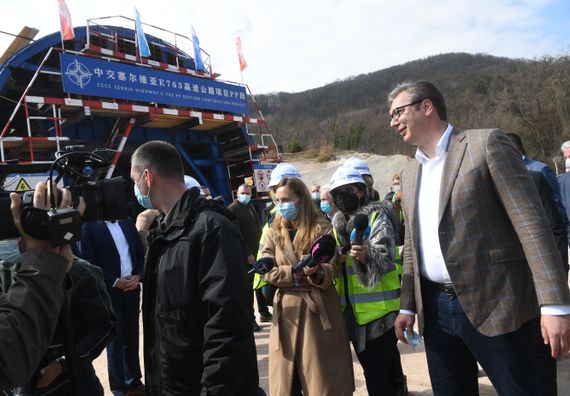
[26,35]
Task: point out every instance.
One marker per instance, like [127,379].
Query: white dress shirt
[432,265]
[122,247]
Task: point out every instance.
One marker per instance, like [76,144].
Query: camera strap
[72,363]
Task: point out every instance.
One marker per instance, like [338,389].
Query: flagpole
[241,74]
[253,100]
[138,58]
[61,35]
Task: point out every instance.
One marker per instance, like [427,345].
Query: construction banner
[95,77]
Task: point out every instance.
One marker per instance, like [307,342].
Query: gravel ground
[413,361]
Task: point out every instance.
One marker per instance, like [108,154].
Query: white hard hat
[282,171]
[359,165]
[190,182]
[345,175]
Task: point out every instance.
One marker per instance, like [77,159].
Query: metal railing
[176,45]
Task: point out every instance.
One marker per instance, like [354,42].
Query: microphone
[262,266]
[360,229]
[322,251]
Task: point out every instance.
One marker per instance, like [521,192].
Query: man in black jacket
[247,221]
[198,338]
[93,324]
[29,313]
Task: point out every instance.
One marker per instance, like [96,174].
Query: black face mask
[346,202]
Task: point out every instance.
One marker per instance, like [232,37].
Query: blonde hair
[306,222]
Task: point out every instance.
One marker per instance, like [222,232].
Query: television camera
[105,199]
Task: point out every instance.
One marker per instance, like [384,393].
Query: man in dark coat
[248,223]
[116,248]
[93,324]
[198,338]
[30,309]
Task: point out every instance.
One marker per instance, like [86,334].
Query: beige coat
[308,330]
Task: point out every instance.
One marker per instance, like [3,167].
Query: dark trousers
[261,303]
[546,375]
[89,381]
[377,361]
[123,351]
[454,346]
[296,388]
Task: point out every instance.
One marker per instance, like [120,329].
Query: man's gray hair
[419,91]
[565,146]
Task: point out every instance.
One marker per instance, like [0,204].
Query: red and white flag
[242,62]
[67,32]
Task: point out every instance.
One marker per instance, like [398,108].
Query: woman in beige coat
[308,344]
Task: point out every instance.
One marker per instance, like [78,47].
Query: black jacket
[93,324]
[28,315]
[248,225]
[198,337]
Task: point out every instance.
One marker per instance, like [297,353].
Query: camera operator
[29,313]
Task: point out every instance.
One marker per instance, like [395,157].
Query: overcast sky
[297,45]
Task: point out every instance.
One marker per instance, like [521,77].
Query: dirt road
[414,363]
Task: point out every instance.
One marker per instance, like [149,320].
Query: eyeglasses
[398,111]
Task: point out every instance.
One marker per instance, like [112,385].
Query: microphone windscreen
[264,265]
[323,249]
[360,222]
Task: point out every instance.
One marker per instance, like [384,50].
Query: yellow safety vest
[367,304]
[399,261]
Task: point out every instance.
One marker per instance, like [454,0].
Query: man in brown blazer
[481,268]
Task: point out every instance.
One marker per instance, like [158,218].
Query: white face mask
[567,164]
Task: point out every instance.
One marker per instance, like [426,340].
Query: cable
[68,168]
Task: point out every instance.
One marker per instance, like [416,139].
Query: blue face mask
[9,250]
[143,200]
[288,211]
[326,207]
[244,198]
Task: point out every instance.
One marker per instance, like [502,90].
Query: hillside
[382,167]
[529,97]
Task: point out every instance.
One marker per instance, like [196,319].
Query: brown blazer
[494,235]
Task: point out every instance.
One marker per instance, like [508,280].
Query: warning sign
[262,173]
[23,185]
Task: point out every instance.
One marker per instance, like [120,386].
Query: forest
[528,97]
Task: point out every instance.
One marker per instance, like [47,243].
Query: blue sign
[95,77]
[265,167]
